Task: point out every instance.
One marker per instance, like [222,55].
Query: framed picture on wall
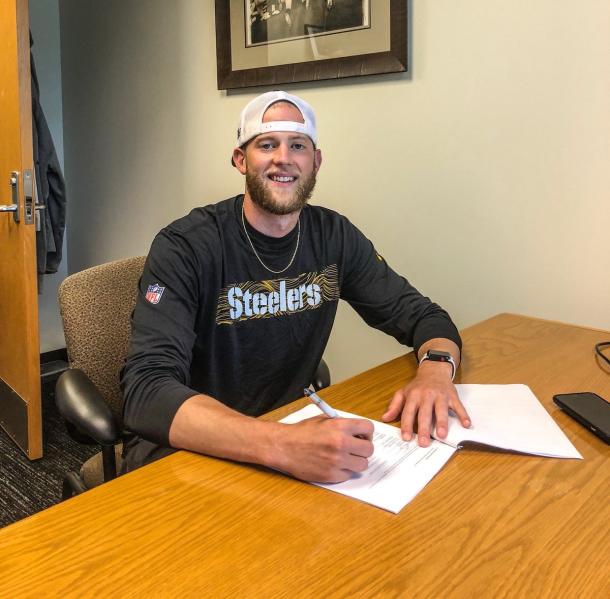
[268,42]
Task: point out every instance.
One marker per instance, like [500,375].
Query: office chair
[96,306]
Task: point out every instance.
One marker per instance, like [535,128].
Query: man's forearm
[205,425]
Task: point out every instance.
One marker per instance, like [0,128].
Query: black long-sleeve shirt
[210,318]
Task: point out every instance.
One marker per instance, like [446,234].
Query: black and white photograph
[266,42]
[273,21]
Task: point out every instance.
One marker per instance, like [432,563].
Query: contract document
[504,416]
[508,417]
[398,470]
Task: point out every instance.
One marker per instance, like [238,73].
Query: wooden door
[20,409]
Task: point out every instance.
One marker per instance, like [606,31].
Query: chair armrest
[321,377]
[81,404]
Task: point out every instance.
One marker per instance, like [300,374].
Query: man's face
[280,167]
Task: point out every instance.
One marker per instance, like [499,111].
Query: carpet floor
[28,487]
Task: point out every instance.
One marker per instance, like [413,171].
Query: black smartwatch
[436,355]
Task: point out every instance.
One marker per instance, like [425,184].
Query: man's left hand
[427,398]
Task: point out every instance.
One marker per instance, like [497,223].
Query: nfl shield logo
[154,293]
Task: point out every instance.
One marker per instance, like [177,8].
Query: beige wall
[483,175]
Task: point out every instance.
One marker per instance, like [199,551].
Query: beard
[264,198]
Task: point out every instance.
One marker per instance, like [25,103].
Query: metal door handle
[14,207]
[30,206]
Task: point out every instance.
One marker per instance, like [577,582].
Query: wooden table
[490,524]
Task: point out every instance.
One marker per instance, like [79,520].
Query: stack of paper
[505,416]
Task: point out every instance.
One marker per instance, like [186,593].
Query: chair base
[73,485]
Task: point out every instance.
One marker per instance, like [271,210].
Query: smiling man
[236,305]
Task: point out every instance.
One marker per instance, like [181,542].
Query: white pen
[313,396]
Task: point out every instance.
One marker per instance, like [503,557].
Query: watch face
[438,356]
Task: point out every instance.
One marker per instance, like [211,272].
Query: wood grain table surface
[490,524]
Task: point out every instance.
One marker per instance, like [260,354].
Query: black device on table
[589,409]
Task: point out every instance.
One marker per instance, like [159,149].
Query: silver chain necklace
[275,272]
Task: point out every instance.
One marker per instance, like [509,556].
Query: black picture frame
[392,61]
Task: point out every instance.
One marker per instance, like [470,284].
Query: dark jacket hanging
[50,187]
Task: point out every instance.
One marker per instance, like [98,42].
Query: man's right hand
[322,449]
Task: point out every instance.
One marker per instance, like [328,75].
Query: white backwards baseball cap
[251,119]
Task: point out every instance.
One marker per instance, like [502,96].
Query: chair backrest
[96,306]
